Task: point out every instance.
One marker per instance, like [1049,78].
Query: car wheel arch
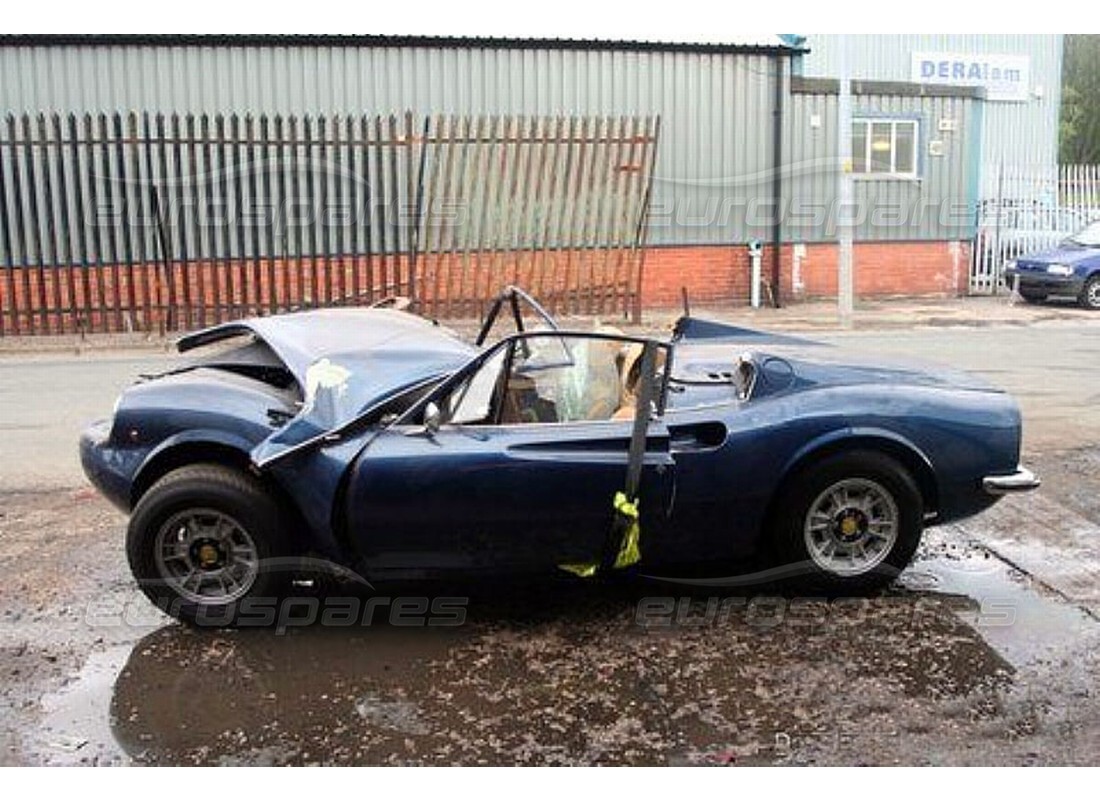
[907,454]
[192,447]
[223,451]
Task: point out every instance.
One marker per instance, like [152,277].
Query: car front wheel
[850,522]
[204,544]
[1090,295]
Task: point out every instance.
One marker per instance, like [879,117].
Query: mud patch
[578,681]
[965,661]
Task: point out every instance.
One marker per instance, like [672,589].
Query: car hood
[346,362]
[1070,256]
[302,338]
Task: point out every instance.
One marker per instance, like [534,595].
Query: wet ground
[967,660]
[984,653]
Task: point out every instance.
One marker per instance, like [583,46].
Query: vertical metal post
[845,284]
[994,265]
[9,317]
[777,187]
[418,202]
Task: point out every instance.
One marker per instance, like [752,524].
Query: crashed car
[381,442]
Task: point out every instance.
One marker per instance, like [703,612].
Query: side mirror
[433,418]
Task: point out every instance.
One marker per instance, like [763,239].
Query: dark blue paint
[396,500]
[1035,277]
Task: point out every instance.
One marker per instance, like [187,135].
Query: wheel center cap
[208,555]
[850,525]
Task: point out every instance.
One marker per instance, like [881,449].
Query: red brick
[458,284]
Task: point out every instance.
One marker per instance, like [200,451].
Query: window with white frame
[887,147]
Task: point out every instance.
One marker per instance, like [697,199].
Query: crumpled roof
[346,361]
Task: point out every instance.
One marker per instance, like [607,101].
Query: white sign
[1004,77]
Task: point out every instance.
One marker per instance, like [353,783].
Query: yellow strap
[629,553]
[580,570]
[624,506]
[629,550]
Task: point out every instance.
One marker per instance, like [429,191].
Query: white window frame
[893,122]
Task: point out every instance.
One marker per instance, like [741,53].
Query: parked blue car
[1071,270]
[381,442]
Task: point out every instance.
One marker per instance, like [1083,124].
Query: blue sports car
[379,441]
[1070,270]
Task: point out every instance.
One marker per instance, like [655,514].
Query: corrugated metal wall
[938,204]
[1016,133]
[715,109]
[713,173]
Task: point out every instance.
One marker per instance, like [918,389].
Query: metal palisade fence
[156,223]
[1026,210]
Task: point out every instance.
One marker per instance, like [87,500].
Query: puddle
[314,695]
[398,715]
[76,729]
[1015,615]
[575,679]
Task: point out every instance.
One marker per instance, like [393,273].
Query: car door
[522,471]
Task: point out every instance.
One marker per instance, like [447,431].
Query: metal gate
[155,223]
[557,205]
[1028,210]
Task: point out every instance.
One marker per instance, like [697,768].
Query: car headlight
[1060,269]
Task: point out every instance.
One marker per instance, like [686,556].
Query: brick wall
[156,297]
[881,269]
[114,298]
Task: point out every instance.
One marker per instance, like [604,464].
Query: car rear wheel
[850,522]
[1090,295]
[202,544]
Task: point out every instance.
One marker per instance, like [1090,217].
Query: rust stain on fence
[167,222]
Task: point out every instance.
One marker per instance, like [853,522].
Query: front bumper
[109,469]
[1022,480]
[1070,285]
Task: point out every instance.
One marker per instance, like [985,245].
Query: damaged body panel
[386,444]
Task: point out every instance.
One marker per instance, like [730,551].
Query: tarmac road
[986,653]
[46,399]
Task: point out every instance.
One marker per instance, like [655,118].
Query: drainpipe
[756,255]
[777,176]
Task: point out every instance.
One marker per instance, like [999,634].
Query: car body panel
[191,406]
[389,496]
[497,498]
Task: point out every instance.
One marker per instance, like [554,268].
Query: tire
[1090,295]
[809,517]
[206,540]
[1032,297]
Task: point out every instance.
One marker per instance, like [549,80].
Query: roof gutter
[376,40]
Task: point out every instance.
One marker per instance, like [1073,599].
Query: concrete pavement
[815,315]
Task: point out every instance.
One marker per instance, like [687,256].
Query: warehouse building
[717,148]
[1021,75]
